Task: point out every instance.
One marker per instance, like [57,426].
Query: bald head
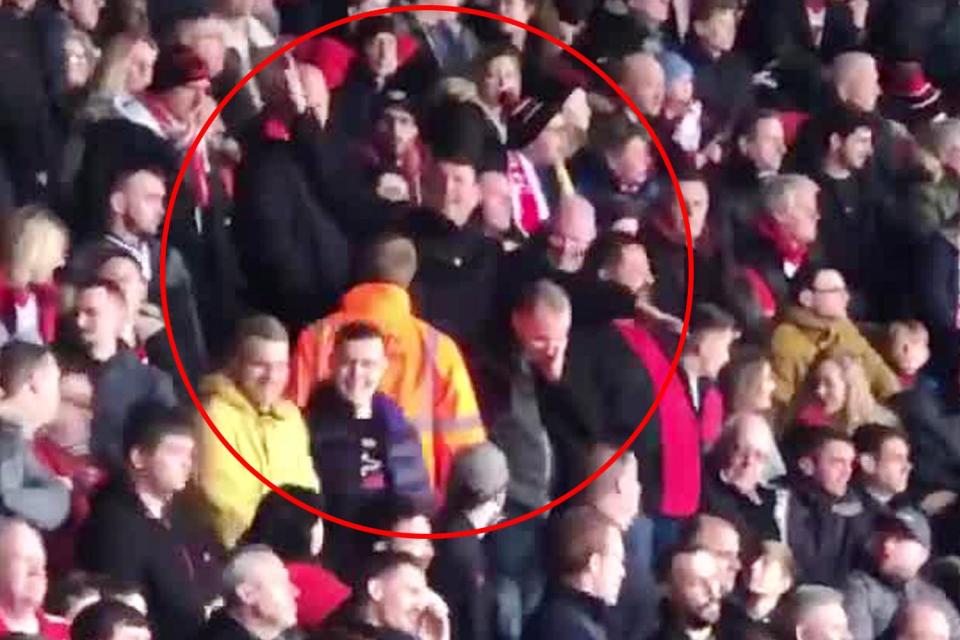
[643,80]
[856,80]
[392,258]
[923,621]
[573,230]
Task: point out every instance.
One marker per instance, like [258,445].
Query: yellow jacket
[275,444]
[426,374]
[802,337]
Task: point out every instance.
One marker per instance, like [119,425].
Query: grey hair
[543,294]
[240,569]
[846,64]
[804,600]
[778,192]
[924,605]
[944,135]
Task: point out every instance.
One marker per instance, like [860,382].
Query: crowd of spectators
[427,272]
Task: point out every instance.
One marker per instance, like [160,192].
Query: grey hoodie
[27,489]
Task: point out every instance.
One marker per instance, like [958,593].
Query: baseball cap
[482,469]
[907,522]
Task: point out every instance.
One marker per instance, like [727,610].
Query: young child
[908,350]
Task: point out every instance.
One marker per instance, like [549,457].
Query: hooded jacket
[426,374]
[27,488]
[275,443]
[803,336]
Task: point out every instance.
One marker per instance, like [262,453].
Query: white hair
[778,192]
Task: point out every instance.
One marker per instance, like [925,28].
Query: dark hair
[805,442]
[709,317]
[843,122]
[18,361]
[870,438]
[95,282]
[264,327]
[608,250]
[378,564]
[391,258]
[705,9]
[100,620]
[354,332]
[70,587]
[284,526]
[115,589]
[386,511]
[149,422]
[610,134]
[578,534]
[748,125]
[372,27]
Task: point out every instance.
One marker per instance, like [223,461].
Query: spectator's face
[695,589]
[398,597]
[143,57]
[71,427]
[453,189]
[767,146]
[79,65]
[645,84]
[84,13]
[910,352]
[925,623]
[831,467]
[380,55]
[749,459]
[551,145]
[801,220]
[496,201]
[713,350]
[275,595]
[23,569]
[829,297]
[519,10]
[574,230]
[358,370]
[501,81]
[680,91]
[544,334]
[831,387]
[855,150]
[892,467]
[140,203]
[633,271]
[419,548]
[185,101]
[656,11]
[719,31]
[632,163]
[315,92]
[167,468]
[263,370]
[723,542]
[399,128]
[767,577]
[126,274]
[610,568]
[827,622]
[861,89]
[902,557]
[697,197]
[100,317]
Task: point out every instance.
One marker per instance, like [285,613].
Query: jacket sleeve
[303,472]
[408,474]
[789,370]
[29,491]
[457,424]
[856,602]
[883,381]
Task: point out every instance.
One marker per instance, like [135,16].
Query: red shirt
[321,593]
[51,627]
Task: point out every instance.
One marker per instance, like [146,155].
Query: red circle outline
[686,228]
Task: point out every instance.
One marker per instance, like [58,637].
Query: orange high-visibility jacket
[426,374]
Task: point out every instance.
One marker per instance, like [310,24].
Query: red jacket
[51,627]
[684,433]
[321,593]
[48,306]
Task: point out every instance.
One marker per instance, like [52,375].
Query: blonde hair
[111,74]
[26,239]
[860,406]
[907,330]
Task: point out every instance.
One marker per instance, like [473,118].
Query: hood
[810,322]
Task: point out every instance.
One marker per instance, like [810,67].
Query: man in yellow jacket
[820,325]
[246,404]
[426,374]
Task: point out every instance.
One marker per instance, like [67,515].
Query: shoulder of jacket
[851,507]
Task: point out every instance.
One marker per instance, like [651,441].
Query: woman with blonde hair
[124,72]
[33,246]
[838,395]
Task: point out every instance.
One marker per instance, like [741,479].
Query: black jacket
[826,535]
[754,521]
[725,85]
[120,384]
[933,423]
[461,575]
[780,30]
[221,626]
[295,257]
[936,302]
[175,566]
[566,614]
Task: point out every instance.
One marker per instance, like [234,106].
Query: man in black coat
[588,560]
[460,571]
[135,533]
[936,301]
[692,607]
[618,28]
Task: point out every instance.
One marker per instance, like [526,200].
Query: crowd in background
[428,272]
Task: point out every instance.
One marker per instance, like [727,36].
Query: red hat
[177,66]
[907,80]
